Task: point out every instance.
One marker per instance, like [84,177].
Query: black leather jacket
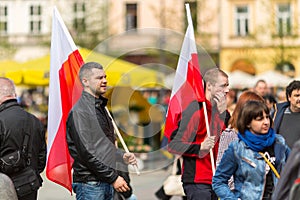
[14,123]
[90,138]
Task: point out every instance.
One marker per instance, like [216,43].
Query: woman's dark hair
[251,110]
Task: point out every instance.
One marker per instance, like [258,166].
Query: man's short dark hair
[294,85]
[86,69]
[212,75]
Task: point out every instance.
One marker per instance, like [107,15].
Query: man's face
[220,87]
[261,89]
[97,82]
[295,101]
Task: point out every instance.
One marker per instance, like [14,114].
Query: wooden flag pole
[212,160]
[122,140]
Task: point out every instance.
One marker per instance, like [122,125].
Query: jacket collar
[8,103]
[99,102]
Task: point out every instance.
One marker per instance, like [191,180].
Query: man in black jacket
[286,115]
[14,124]
[91,140]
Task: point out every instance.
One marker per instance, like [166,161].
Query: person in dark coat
[91,140]
[15,122]
[288,186]
[286,115]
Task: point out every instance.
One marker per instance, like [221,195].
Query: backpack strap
[270,164]
[27,143]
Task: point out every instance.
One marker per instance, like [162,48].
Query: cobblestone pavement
[144,186]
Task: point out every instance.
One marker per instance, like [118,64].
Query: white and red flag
[187,90]
[64,90]
[187,86]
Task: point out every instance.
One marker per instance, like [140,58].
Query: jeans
[193,191]
[93,190]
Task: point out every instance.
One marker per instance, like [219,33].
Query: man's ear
[85,82]
[208,86]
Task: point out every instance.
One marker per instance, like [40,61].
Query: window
[79,23]
[35,21]
[131,16]
[242,21]
[284,19]
[3,20]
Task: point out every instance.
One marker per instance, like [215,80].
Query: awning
[119,72]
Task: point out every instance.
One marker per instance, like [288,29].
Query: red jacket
[186,140]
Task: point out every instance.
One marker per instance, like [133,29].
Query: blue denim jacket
[248,169]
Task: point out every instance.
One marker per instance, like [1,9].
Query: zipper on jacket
[249,162]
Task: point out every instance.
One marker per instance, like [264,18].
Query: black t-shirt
[289,127]
[270,155]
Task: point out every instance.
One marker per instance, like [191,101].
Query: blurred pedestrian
[91,140]
[270,101]
[287,115]
[261,87]
[231,99]
[290,177]
[15,124]
[255,160]
[191,141]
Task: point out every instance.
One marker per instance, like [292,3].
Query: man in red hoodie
[190,139]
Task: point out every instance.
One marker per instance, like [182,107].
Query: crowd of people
[251,136]
[252,148]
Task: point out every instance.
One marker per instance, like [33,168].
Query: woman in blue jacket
[246,159]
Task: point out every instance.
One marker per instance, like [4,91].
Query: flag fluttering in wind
[64,90]
[187,86]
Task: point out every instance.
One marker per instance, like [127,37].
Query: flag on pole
[187,86]
[64,90]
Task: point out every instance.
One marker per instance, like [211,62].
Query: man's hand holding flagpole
[121,140]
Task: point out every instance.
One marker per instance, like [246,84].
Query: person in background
[281,96]
[230,133]
[231,99]
[91,140]
[255,160]
[15,122]
[286,115]
[261,87]
[288,185]
[270,101]
[191,141]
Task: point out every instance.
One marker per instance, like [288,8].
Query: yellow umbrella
[122,73]
[11,69]
[36,71]
[119,72]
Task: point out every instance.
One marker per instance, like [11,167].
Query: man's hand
[220,100]
[208,143]
[120,185]
[129,158]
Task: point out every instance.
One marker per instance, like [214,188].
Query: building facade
[249,35]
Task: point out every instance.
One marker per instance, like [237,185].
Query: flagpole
[212,160]
[122,140]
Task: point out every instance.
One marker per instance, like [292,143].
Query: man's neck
[6,99]
[294,109]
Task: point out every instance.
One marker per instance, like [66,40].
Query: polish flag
[187,86]
[64,90]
